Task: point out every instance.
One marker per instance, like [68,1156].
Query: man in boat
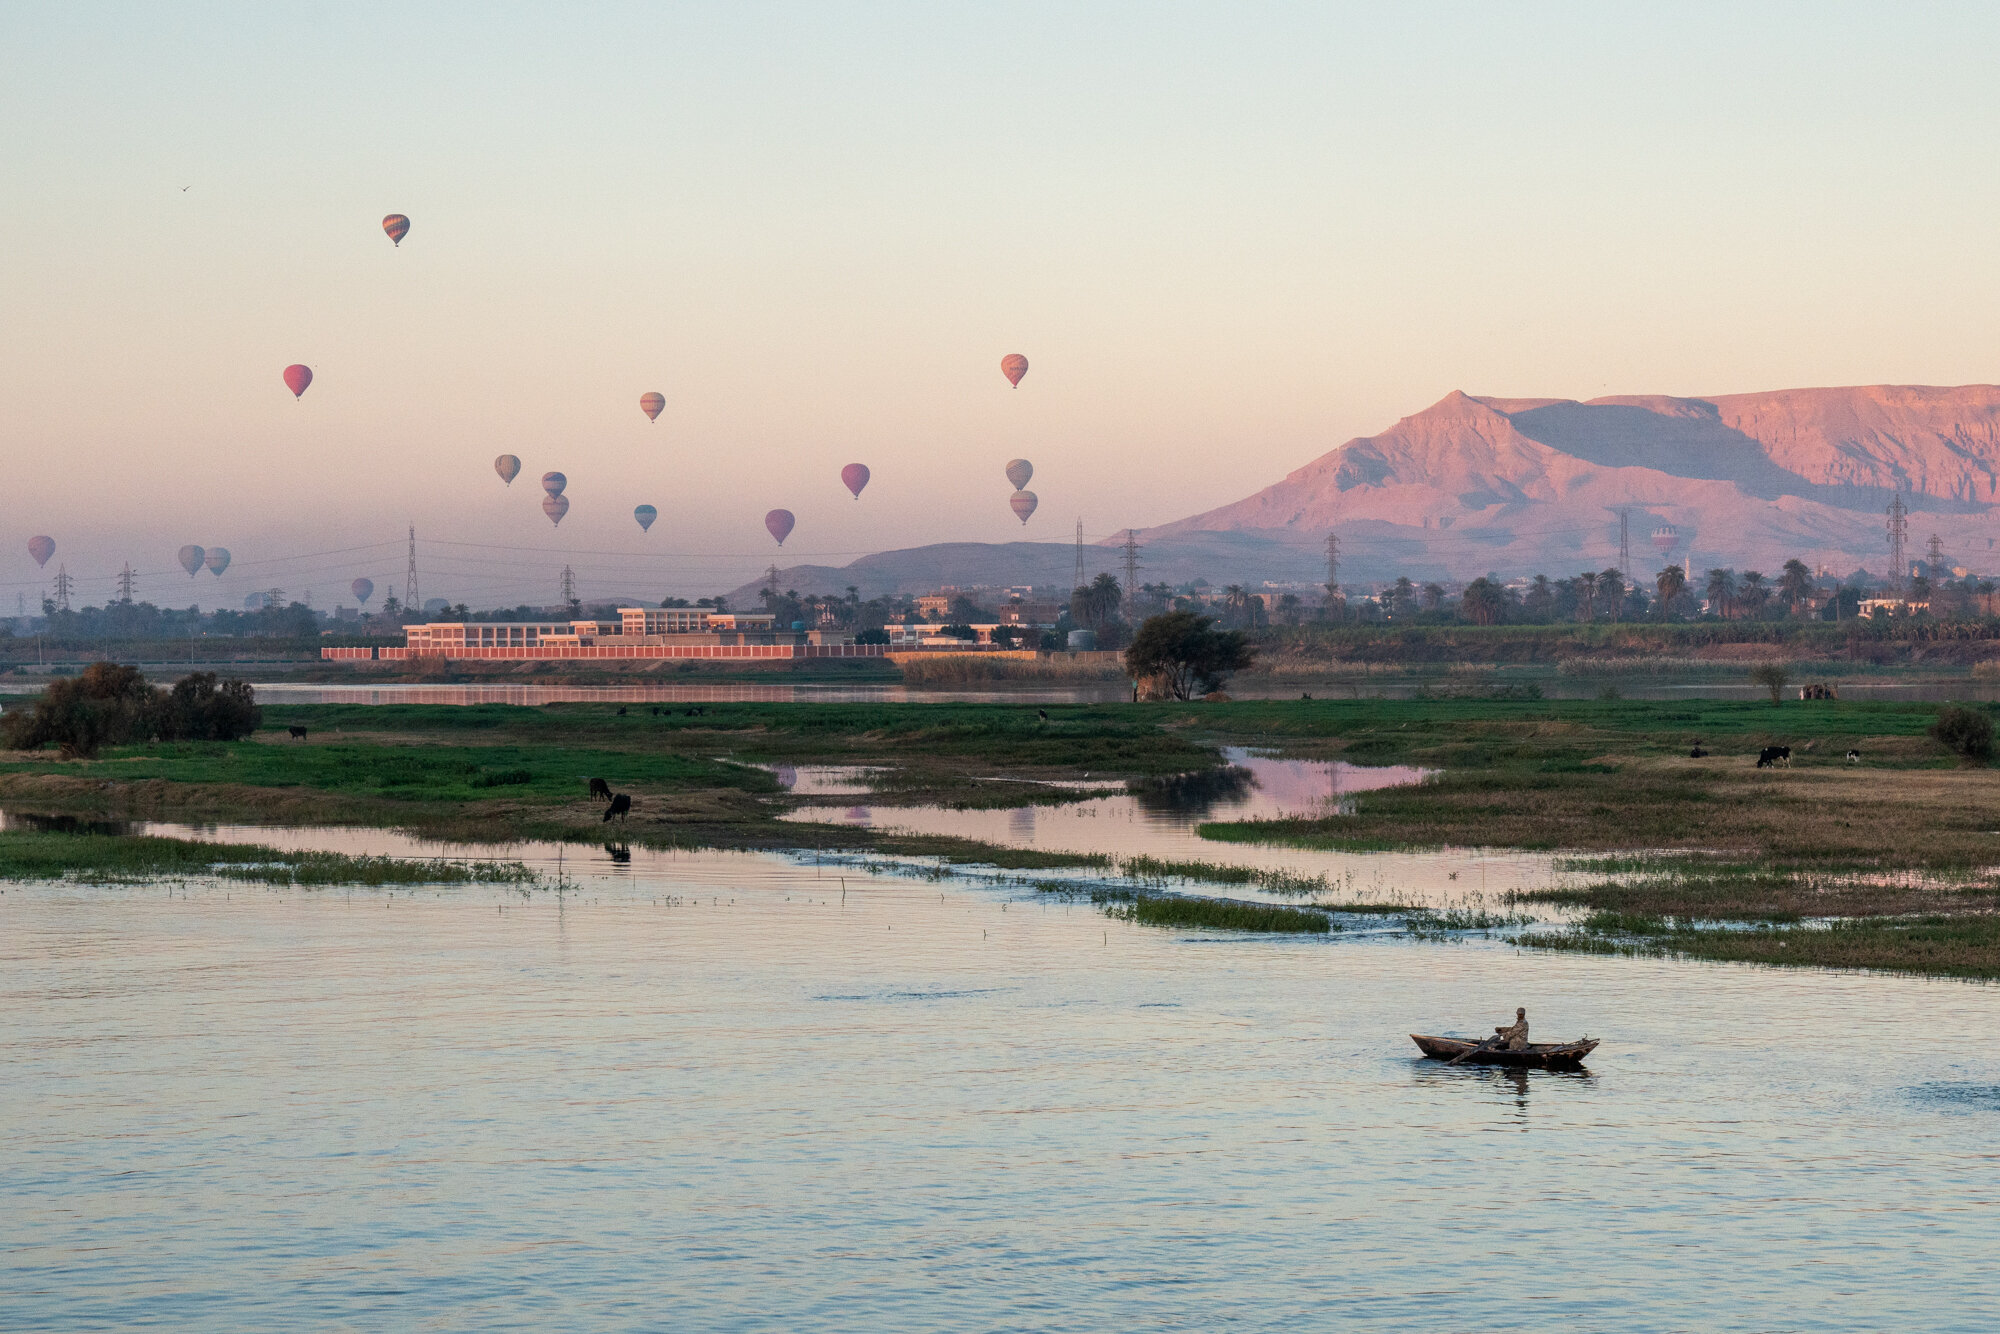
[1514,1036]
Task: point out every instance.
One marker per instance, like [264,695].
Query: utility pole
[63,586]
[1079,555]
[1131,549]
[410,596]
[127,580]
[1332,568]
[1899,532]
[1625,542]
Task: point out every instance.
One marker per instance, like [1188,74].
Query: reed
[1220,914]
[971,670]
[97,858]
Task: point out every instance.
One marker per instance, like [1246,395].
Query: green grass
[124,858]
[1279,881]
[1950,946]
[1220,914]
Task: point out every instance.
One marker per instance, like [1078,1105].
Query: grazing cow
[619,852]
[1854,757]
[1043,714]
[621,806]
[1697,753]
[621,710]
[654,711]
[1771,756]
[600,789]
[298,733]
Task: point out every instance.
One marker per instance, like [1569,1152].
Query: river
[713,1091]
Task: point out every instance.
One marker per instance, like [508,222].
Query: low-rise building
[639,632]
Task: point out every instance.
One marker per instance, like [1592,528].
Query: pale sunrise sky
[1227,236]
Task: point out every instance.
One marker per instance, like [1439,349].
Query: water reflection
[31,822]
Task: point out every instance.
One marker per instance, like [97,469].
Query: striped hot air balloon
[191,558]
[1014,366]
[1023,504]
[398,227]
[554,483]
[555,506]
[508,467]
[651,404]
[1018,473]
[217,560]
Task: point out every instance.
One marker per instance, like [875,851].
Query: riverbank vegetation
[94,857]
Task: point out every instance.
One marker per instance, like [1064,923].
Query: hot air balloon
[1018,472]
[854,476]
[363,589]
[779,523]
[217,560]
[297,378]
[397,226]
[554,482]
[41,548]
[1014,366]
[651,404]
[645,514]
[508,467]
[1666,537]
[1023,504]
[555,506]
[191,559]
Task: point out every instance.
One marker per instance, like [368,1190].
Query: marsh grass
[1951,946]
[1158,870]
[95,858]
[972,670]
[1219,914]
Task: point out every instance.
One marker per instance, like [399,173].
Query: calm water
[1160,820]
[720,1092]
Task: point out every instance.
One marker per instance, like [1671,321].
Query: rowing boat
[1542,1055]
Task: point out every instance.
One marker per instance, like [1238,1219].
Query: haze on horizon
[1227,239]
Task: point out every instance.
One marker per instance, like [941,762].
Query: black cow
[600,789]
[1774,755]
[1697,753]
[298,733]
[621,806]
[621,710]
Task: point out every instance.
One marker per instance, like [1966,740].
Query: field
[1711,856]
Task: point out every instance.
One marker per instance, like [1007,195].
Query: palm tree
[1611,583]
[1587,581]
[1721,591]
[1672,583]
[1796,582]
[1433,596]
[1483,601]
[1754,595]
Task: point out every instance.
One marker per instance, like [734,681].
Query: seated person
[1514,1036]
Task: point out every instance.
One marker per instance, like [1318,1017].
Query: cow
[600,789]
[621,806]
[298,733]
[1697,753]
[1772,756]
[1854,757]
[621,710]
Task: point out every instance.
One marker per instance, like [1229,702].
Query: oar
[1474,1051]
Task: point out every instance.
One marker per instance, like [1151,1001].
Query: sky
[1228,237]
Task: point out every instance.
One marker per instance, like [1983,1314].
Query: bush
[1968,732]
[1772,676]
[110,705]
[1185,656]
[874,636]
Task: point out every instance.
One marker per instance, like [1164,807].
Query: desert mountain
[1741,479]
[1471,485]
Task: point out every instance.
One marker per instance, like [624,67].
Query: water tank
[1082,641]
[798,625]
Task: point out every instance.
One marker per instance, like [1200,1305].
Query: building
[639,632]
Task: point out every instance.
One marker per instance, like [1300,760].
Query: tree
[1484,601]
[877,635]
[1969,732]
[1795,583]
[1721,591]
[1752,594]
[1185,654]
[1611,587]
[1672,583]
[1433,596]
[1290,609]
[1402,597]
[1772,676]
[1540,602]
[1587,583]
[111,705]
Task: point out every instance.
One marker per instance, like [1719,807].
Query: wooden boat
[1539,1055]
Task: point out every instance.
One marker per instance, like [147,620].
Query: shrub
[110,705]
[202,708]
[1969,732]
[1185,656]
[1772,676]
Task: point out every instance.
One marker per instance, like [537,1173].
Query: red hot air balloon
[1018,473]
[217,560]
[1014,366]
[645,514]
[652,403]
[779,523]
[191,558]
[854,476]
[41,548]
[1666,537]
[363,589]
[555,506]
[297,378]
[397,226]
[508,467]
[554,482]
[1023,504]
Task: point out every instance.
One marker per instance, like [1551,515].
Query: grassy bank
[1218,914]
[98,858]
[970,670]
